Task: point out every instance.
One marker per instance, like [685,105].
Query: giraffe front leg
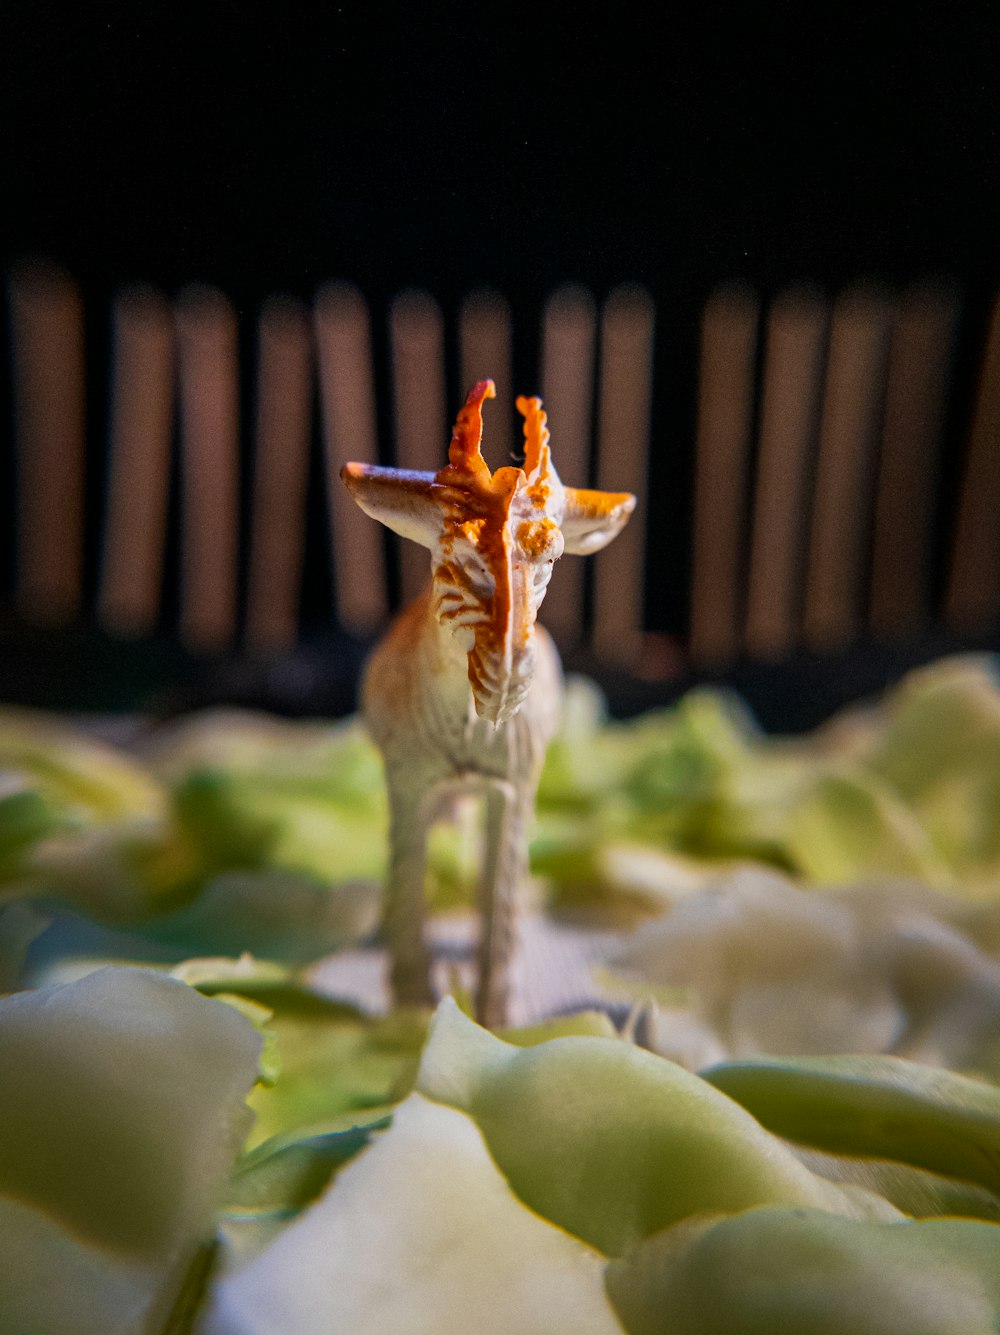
[504,864]
[403,912]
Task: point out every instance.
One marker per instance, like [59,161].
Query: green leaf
[25,818]
[20,925]
[284,1175]
[269,1062]
[183,1315]
[593,1024]
[337,1063]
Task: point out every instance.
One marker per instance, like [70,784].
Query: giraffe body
[463,693]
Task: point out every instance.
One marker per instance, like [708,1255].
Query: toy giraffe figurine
[464,691]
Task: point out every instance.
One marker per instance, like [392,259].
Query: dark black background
[516,144]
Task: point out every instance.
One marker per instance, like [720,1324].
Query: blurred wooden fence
[818,453]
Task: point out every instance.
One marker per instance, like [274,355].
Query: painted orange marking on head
[472,530]
[474,507]
[595,504]
[536,432]
[537,455]
[465,451]
[535,535]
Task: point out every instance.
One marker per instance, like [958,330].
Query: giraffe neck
[435,660]
[493,674]
[419,706]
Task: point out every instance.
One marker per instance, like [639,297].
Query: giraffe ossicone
[464,689]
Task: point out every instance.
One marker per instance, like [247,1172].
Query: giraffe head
[494,539]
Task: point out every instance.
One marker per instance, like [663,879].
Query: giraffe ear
[593,518]
[398,498]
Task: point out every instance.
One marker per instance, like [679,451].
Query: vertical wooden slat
[416,332]
[142,393]
[209,415]
[919,357]
[47,329]
[972,599]
[725,413]
[347,397]
[484,338]
[852,404]
[626,369]
[281,471]
[793,373]
[569,339]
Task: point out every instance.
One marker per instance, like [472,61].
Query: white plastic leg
[403,914]
[504,865]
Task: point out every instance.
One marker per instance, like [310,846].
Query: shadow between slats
[972,598]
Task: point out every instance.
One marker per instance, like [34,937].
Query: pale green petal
[915,1191]
[876,1106]
[89,778]
[805,1272]
[119,872]
[81,822]
[942,719]
[280,915]
[609,1141]
[337,759]
[222,972]
[850,824]
[109,1104]
[419,1235]
[765,966]
[122,1112]
[53,1282]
